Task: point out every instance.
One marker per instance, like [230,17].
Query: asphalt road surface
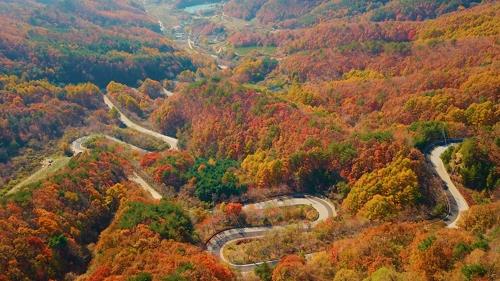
[457,203]
[78,146]
[129,123]
[217,243]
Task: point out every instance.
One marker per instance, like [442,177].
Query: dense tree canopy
[345,106]
[165,219]
[378,194]
[473,163]
[215,179]
[46,226]
[85,41]
[32,112]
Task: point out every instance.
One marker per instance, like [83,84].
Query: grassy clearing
[272,246]
[57,163]
[292,239]
[255,87]
[138,139]
[244,51]
[281,215]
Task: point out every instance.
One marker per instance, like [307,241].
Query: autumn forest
[271,140]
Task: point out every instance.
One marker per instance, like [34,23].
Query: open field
[47,169]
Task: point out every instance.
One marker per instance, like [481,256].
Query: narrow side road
[49,166]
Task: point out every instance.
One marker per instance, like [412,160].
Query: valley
[162,140]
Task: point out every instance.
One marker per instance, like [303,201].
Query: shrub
[473,270]
[264,272]
[143,276]
[58,242]
[480,218]
[426,243]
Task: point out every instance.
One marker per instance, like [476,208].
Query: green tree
[473,270]
[346,275]
[215,179]
[427,131]
[58,242]
[385,274]
[264,272]
[166,219]
[143,276]
[477,170]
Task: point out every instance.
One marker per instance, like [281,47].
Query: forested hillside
[348,106]
[85,41]
[49,228]
[56,56]
[293,13]
[56,59]
[371,94]
[267,140]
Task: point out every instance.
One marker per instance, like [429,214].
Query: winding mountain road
[129,123]
[457,204]
[217,243]
[189,43]
[145,186]
[167,93]
[326,209]
[78,146]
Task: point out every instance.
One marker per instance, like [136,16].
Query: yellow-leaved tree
[381,193]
